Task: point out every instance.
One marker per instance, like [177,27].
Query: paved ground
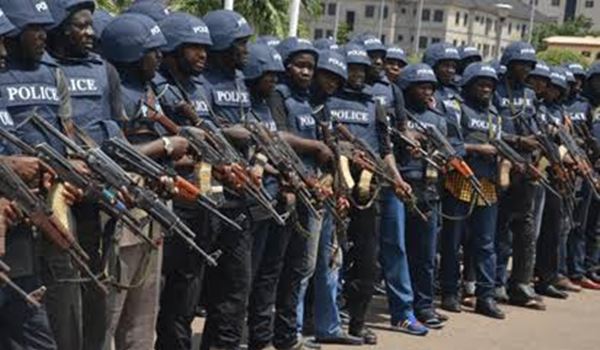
[573,324]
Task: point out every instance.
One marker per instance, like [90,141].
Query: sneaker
[411,326]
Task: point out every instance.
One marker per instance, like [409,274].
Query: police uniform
[478,126]
[292,111]
[447,94]
[183,269]
[421,236]
[133,311]
[516,205]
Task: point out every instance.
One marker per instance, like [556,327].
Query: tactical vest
[551,113]
[300,118]
[193,91]
[519,100]
[26,90]
[229,96]
[263,112]
[478,126]
[448,101]
[578,109]
[90,93]
[356,110]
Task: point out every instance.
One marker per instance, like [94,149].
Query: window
[457,18]
[422,42]
[555,3]
[412,38]
[435,40]
[589,4]
[488,25]
[476,19]
[369,11]
[465,19]
[426,15]
[400,38]
[383,39]
[385,12]
[463,43]
[331,9]
[403,11]
[454,42]
[318,33]
[350,16]
[586,53]
[486,50]
[329,33]
[523,30]
[509,28]
[438,16]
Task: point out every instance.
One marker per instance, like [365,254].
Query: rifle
[228,166]
[34,208]
[448,154]
[144,165]
[66,172]
[4,279]
[263,138]
[364,156]
[416,146]
[593,146]
[143,198]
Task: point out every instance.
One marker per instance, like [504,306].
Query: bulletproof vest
[192,91]
[410,167]
[596,122]
[90,93]
[26,90]
[6,123]
[228,95]
[551,113]
[448,101]
[382,92]
[578,109]
[356,110]
[478,126]
[138,128]
[263,113]
[519,100]
[300,118]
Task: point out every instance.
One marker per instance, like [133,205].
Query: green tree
[580,26]
[266,16]
[558,57]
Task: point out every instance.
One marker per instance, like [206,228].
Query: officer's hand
[28,168]
[186,110]
[72,194]
[324,153]
[402,188]
[529,143]
[487,150]
[180,147]
[80,166]
[9,212]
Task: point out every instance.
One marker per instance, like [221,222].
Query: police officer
[268,40]
[293,114]
[151,8]
[515,103]
[468,54]
[418,83]
[184,99]
[270,240]
[539,79]
[479,123]
[444,59]
[99,21]
[20,324]
[131,42]
[228,284]
[326,44]
[546,267]
[96,105]
[395,61]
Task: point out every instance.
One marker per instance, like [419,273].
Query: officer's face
[445,71]
[393,68]
[421,93]
[578,85]
[301,69]
[149,64]
[357,73]
[482,89]
[32,42]
[538,84]
[519,71]
[240,52]
[266,84]
[594,84]
[3,54]
[552,93]
[193,58]
[80,33]
[328,82]
[376,63]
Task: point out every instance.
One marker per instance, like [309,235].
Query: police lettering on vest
[351,116]
[232,96]
[82,85]
[31,93]
[6,120]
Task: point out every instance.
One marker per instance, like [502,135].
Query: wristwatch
[168,145]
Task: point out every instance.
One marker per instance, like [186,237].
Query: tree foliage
[560,56]
[266,16]
[580,26]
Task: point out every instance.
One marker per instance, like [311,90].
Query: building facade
[475,22]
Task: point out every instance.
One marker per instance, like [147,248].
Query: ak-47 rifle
[116,177]
[4,279]
[34,208]
[591,143]
[147,167]
[366,158]
[262,137]
[448,154]
[93,189]
[228,166]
